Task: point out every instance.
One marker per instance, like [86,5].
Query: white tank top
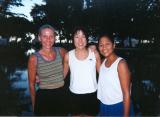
[83,73]
[109,88]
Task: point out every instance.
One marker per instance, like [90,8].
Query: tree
[136,18]
[12,24]
[5,5]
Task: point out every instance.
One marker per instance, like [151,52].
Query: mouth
[80,44]
[105,52]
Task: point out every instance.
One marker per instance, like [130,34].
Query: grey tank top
[50,73]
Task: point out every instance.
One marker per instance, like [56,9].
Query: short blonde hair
[44,27]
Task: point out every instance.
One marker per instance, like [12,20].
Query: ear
[114,45]
[39,38]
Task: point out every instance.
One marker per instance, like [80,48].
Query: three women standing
[113,84]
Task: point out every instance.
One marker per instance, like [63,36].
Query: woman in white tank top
[114,81]
[82,63]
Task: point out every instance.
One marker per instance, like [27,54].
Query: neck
[112,57]
[80,50]
[47,51]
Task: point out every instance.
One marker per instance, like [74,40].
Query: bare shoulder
[66,56]
[122,63]
[63,51]
[32,58]
[96,53]
[123,66]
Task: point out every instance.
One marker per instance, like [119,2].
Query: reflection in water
[145,95]
[20,78]
[10,103]
[14,83]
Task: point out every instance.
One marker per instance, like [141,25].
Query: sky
[26,9]
[28,4]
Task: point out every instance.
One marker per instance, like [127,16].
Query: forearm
[64,75]
[32,93]
[126,102]
[65,69]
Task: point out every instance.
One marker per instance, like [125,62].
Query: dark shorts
[50,102]
[114,110]
[84,104]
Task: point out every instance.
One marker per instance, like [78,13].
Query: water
[16,83]
[20,78]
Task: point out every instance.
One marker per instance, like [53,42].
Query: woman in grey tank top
[47,65]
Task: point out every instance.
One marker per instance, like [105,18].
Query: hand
[93,48]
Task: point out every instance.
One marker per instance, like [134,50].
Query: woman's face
[80,41]
[106,47]
[47,38]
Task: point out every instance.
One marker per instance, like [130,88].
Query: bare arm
[98,60]
[66,65]
[63,52]
[93,48]
[124,77]
[32,77]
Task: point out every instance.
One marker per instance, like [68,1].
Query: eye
[83,36]
[100,45]
[51,36]
[108,44]
[44,36]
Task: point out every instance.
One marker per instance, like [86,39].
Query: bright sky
[26,9]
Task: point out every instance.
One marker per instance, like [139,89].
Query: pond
[15,97]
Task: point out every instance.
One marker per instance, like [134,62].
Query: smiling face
[106,46]
[80,41]
[47,38]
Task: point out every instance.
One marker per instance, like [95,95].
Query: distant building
[117,40]
[134,42]
[3,41]
[92,39]
[130,42]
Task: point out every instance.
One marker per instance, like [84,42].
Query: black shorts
[84,104]
[50,102]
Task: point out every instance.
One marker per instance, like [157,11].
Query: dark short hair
[77,29]
[44,27]
[108,36]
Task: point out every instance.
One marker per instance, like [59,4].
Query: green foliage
[138,18]
[135,18]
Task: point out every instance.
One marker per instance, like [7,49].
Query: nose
[103,47]
[80,40]
[49,39]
